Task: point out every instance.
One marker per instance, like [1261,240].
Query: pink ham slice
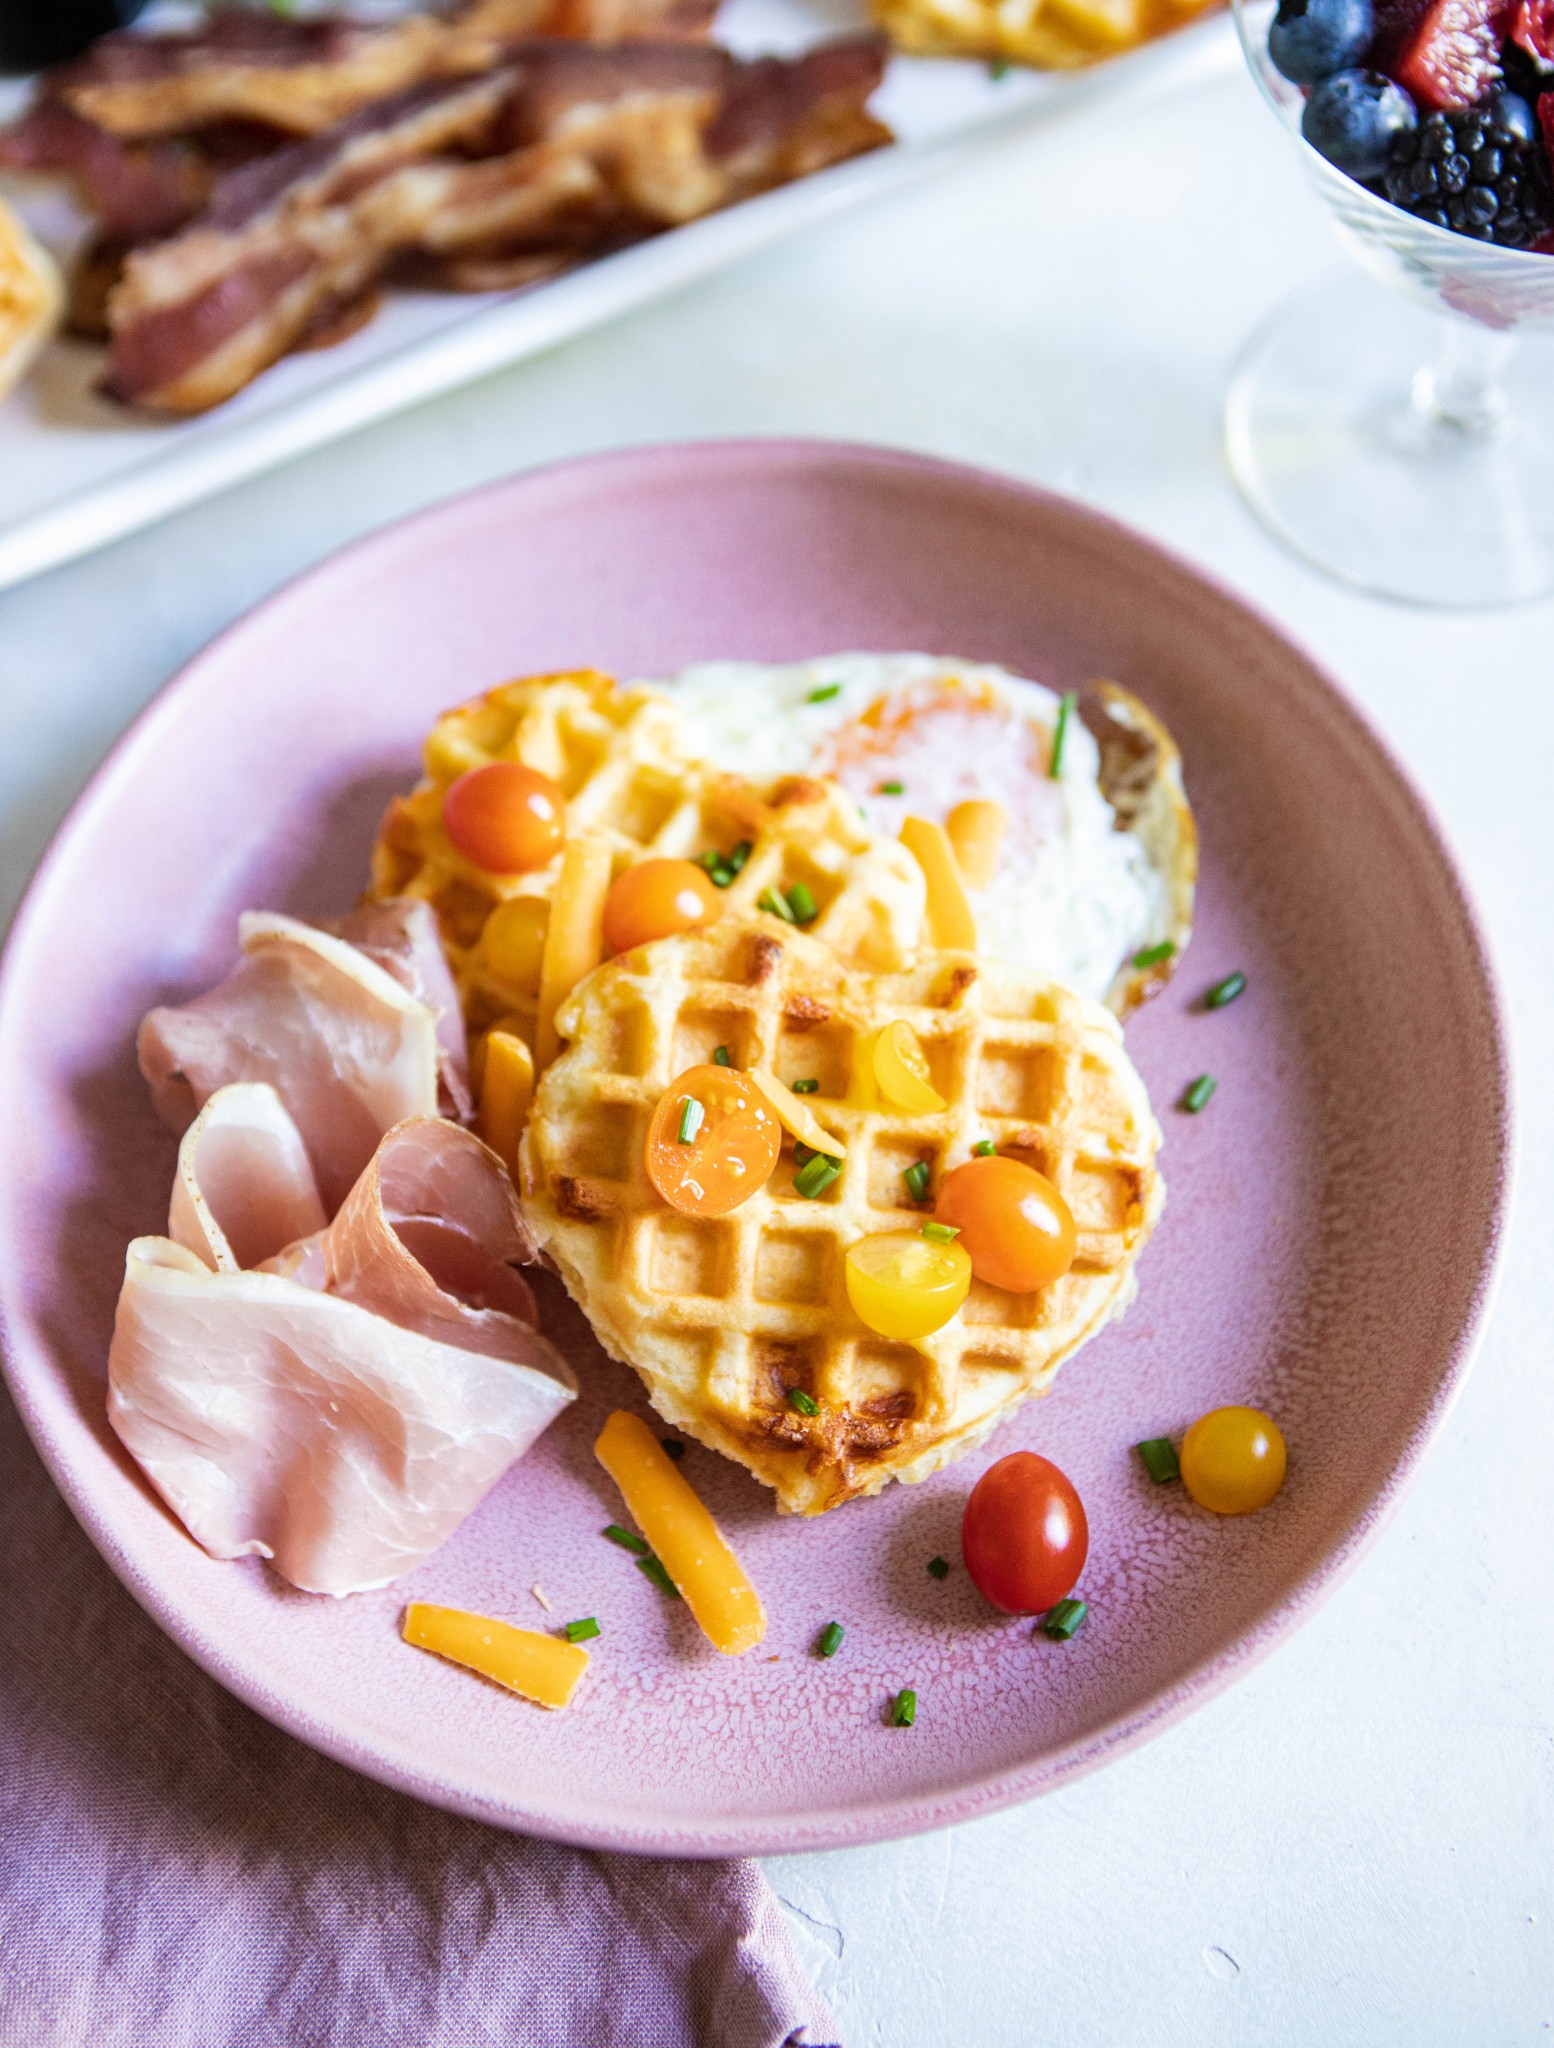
[400,935]
[341,1410]
[349,1050]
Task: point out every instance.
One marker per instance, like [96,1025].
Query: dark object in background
[38,32]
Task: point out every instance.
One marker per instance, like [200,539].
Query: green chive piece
[1158,1458]
[625,1539]
[1225,991]
[999,68]
[802,1153]
[941,1233]
[816,1175]
[722,876]
[1152,956]
[1063,1620]
[939,1567]
[824,694]
[984,1148]
[892,789]
[1060,733]
[830,1639]
[776,903]
[582,1631]
[675,1449]
[802,904]
[650,1568]
[739,856]
[904,1712]
[720,1055]
[805,1404]
[692,1117]
[810,1087]
[1198,1094]
[916,1178]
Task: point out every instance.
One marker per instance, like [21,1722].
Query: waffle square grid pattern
[723,1317]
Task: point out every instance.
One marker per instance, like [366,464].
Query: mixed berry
[1444,107]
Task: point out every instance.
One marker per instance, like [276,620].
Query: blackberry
[1475,172]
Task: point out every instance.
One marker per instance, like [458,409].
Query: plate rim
[896,1815]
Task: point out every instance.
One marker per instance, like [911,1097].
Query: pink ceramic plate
[1292,1269]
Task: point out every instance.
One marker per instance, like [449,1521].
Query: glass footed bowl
[1401,438]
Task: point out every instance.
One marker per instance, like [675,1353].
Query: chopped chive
[810,1087]
[999,68]
[802,1153]
[739,856]
[722,876]
[582,1631]
[1198,1094]
[830,1639]
[1158,1458]
[1152,956]
[941,1233]
[1064,1619]
[675,1449]
[824,694]
[802,904]
[939,1567]
[720,1055]
[776,903]
[805,1404]
[1225,991]
[625,1539]
[984,1148]
[816,1175]
[650,1568]
[916,1178]
[892,789]
[1060,733]
[904,1712]
[692,1117]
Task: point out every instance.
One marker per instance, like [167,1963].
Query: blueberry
[1353,119]
[1311,39]
[1511,113]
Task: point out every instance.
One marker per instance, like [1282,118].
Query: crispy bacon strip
[588,148]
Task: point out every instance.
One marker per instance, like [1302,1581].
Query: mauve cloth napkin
[175,1873]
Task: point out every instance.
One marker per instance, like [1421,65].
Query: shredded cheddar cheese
[950,922]
[541,1668]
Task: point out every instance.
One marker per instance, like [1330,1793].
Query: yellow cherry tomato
[901,1071]
[513,941]
[1233,1460]
[906,1286]
[654,900]
[505,818]
[1017,1227]
[713,1141]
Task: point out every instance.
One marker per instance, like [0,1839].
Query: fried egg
[1095,864]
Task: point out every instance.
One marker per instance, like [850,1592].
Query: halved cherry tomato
[1016,1226]
[505,818]
[904,1285]
[1024,1538]
[1233,1460]
[901,1071]
[731,1144]
[655,899]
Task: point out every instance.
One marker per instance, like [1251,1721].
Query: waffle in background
[1050,35]
[722,1317]
[618,758]
[31,299]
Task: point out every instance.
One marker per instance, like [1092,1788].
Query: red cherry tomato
[1017,1227]
[505,818]
[655,899]
[1025,1538]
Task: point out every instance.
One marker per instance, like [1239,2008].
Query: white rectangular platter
[77,471]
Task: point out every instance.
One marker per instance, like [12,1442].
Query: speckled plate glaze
[1367,1055]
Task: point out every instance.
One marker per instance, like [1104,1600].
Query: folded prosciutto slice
[347,1046]
[340,1408]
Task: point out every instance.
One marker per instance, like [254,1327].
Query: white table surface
[1356,1844]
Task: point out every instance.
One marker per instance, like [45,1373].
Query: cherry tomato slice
[1016,1226]
[731,1144]
[1233,1460]
[1024,1538]
[505,818]
[901,1071]
[904,1285]
[655,899]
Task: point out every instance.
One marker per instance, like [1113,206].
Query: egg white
[1073,897]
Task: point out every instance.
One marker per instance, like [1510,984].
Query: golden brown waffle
[721,1318]
[1053,35]
[618,756]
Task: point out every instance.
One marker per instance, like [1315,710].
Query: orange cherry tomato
[1025,1537]
[505,818]
[1012,1220]
[655,899]
[713,1141]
